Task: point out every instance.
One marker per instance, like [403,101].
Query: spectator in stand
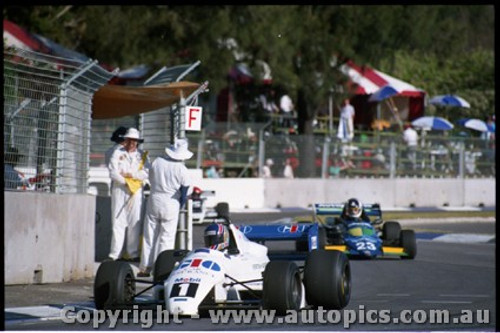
[288,170]
[490,134]
[410,137]
[340,163]
[268,103]
[266,169]
[286,110]
[212,172]
[346,122]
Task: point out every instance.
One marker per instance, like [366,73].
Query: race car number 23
[184,290]
[365,246]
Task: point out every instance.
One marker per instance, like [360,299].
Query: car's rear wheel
[165,263]
[327,279]
[390,232]
[114,286]
[282,289]
[408,243]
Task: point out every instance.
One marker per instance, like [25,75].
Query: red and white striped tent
[364,81]
[369,80]
[16,36]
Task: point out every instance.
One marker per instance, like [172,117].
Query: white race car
[191,283]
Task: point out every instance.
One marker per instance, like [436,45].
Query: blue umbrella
[383,93]
[475,124]
[449,100]
[435,123]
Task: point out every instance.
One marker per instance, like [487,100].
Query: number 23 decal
[365,246]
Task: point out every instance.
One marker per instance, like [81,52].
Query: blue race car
[367,238]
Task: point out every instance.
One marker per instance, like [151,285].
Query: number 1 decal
[184,290]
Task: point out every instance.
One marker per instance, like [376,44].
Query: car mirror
[377,221]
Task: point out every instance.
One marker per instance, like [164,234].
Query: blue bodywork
[362,239]
[305,232]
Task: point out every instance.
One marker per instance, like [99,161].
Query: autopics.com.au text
[148,317]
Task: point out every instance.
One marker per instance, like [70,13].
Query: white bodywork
[203,269]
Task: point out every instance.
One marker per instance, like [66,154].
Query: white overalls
[125,207]
[166,177]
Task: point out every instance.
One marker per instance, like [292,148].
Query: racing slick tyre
[327,279]
[390,232]
[114,286]
[408,243]
[282,287]
[165,263]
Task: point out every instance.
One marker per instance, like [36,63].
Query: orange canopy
[113,101]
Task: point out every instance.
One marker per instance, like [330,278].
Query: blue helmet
[216,236]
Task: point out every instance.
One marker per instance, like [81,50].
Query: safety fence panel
[47,120]
[241,149]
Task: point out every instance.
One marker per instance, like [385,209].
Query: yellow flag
[134,184]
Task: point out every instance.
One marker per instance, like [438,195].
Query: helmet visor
[354,210]
[212,238]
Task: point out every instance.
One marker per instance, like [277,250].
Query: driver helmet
[354,208]
[216,236]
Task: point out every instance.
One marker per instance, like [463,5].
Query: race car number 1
[184,290]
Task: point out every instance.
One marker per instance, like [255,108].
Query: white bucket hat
[133,134]
[179,150]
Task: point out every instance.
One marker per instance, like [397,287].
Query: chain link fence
[47,120]
[240,150]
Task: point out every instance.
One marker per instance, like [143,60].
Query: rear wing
[337,208]
[280,232]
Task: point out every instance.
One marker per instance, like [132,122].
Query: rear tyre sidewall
[282,287]
[327,279]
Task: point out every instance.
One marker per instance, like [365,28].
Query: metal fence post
[461,162]
[324,162]
[199,156]
[262,151]
[392,159]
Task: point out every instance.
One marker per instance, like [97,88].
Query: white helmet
[354,208]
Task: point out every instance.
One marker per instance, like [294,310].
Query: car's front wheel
[114,286]
[408,243]
[165,263]
[390,232]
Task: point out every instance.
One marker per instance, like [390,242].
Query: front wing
[386,250]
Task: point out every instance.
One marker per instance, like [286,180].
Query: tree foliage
[438,48]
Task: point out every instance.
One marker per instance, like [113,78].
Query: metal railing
[241,149]
[47,120]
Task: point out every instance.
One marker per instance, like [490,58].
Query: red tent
[364,81]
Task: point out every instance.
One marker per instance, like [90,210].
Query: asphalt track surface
[450,277]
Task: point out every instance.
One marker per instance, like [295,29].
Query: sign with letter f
[193,118]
